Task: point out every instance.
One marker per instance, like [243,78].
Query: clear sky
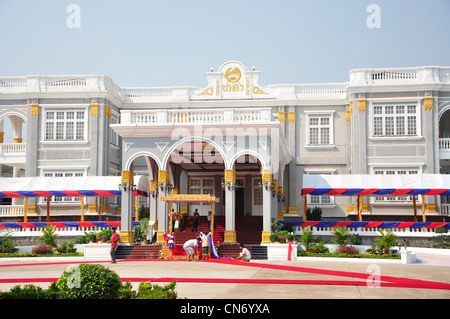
[174,42]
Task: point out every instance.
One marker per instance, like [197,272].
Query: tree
[49,236]
[342,236]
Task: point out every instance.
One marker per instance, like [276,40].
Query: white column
[230,219]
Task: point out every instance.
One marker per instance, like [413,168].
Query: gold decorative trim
[126,236]
[2,136]
[164,177]
[266,175]
[292,210]
[280,216]
[257,90]
[282,117]
[348,116]
[108,112]
[230,176]
[34,110]
[94,110]
[362,105]
[208,91]
[127,177]
[229,236]
[428,103]
[160,237]
[431,208]
[17,140]
[291,117]
[265,236]
[92,208]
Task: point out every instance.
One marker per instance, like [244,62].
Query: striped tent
[376,185]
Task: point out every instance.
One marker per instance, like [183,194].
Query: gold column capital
[127,177]
[163,177]
[34,110]
[291,117]
[230,176]
[266,175]
[428,103]
[94,110]
[362,105]
[282,117]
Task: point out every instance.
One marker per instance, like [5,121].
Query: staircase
[248,232]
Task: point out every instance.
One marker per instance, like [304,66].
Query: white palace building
[247,144]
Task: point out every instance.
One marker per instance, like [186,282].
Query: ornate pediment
[232,81]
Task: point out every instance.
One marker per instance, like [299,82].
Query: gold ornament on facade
[208,91]
[233,75]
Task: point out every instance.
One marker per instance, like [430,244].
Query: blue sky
[173,43]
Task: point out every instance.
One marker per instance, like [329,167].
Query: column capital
[230,176]
[127,177]
[362,105]
[266,175]
[163,177]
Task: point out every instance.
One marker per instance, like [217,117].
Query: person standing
[209,220]
[195,221]
[205,245]
[114,242]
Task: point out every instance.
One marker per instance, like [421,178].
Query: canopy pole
[25,210]
[170,217]
[82,208]
[424,218]
[305,205]
[415,208]
[48,209]
[100,208]
[359,208]
[136,208]
[212,219]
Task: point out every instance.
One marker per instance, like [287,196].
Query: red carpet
[385,281]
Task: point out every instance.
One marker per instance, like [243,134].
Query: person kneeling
[245,253]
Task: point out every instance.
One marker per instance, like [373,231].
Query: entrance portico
[211,144]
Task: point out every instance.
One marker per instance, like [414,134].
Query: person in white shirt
[190,247]
[245,253]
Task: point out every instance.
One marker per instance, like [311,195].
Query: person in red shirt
[114,241]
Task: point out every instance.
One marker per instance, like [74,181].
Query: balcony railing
[12,149]
[444,148]
[196,116]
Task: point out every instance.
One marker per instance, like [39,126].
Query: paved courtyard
[306,278]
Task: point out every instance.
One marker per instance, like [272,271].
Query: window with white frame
[113,136]
[201,185]
[320,200]
[320,128]
[395,171]
[65,125]
[64,199]
[257,192]
[399,119]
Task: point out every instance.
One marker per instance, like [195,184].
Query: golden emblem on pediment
[233,75]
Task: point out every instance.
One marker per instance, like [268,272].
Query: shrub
[66,248]
[148,291]
[386,241]
[441,241]
[281,236]
[350,250]
[307,238]
[89,281]
[318,248]
[42,250]
[27,292]
[315,214]
[7,244]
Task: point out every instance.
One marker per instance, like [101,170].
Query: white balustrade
[196,116]
[12,149]
[445,209]
[11,210]
[444,144]
[325,89]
